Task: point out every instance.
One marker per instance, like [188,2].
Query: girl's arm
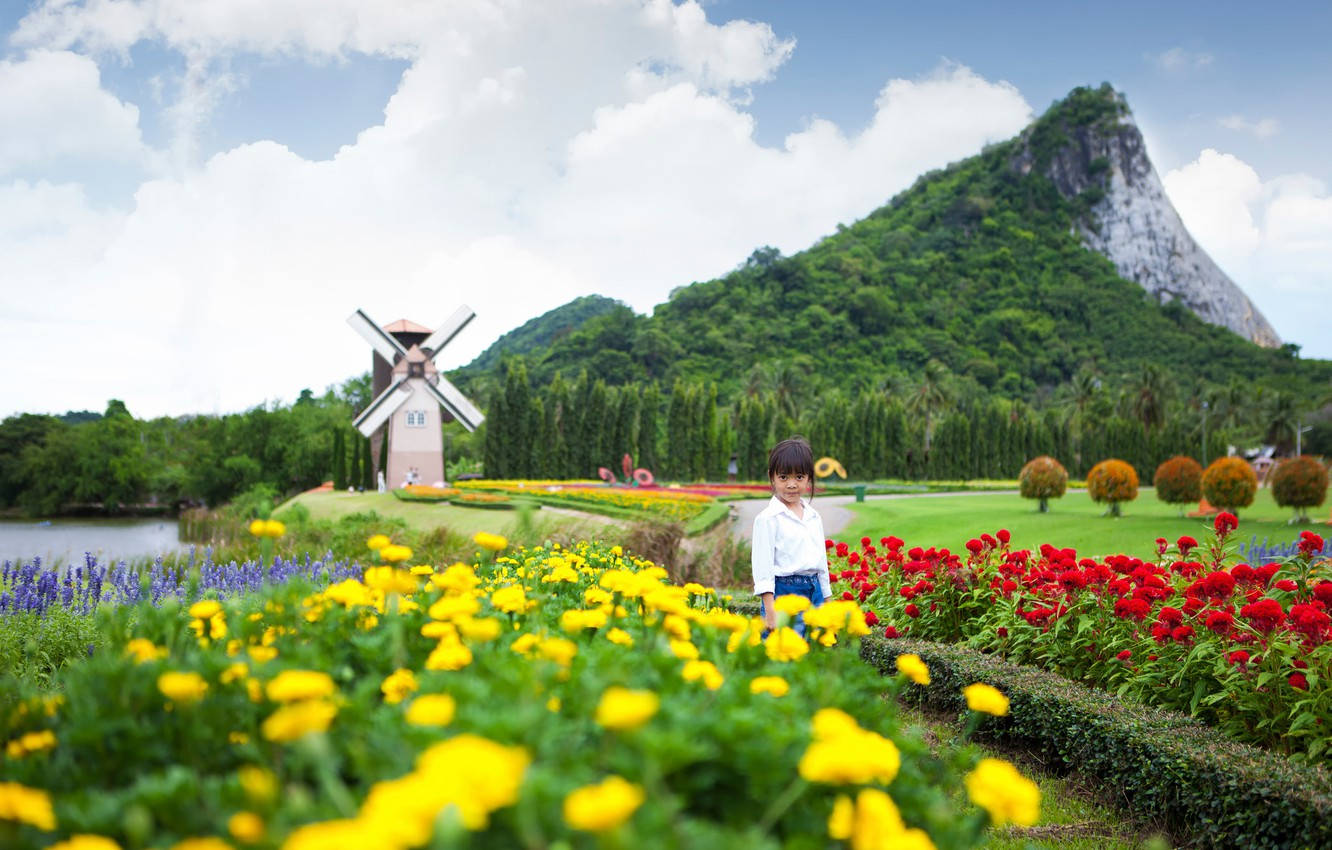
[825,582]
[761,559]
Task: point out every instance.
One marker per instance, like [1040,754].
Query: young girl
[789,555]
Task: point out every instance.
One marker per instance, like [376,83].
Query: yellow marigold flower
[844,754]
[261,654]
[144,650]
[397,685]
[206,843]
[775,685]
[257,527]
[36,742]
[620,636]
[511,599]
[390,580]
[726,621]
[84,841]
[26,805]
[604,806]
[254,689]
[838,615]
[246,827]
[704,671]
[422,570]
[451,607]
[205,609]
[524,643]
[476,774]
[684,649]
[255,617]
[785,644]
[299,719]
[559,650]
[367,621]
[258,783]
[553,705]
[234,646]
[998,788]
[341,833]
[293,685]
[790,604]
[377,542]
[274,528]
[842,821]
[448,654]
[479,628]
[910,665]
[184,688]
[431,710]
[693,588]
[438,629]
[560,573]
[668,600]
[576,620]
[617,550]
[622,709]
[395,553]
[240,739]
[676,626]
[596,596]
[459,578]
[238,670]
[987,699]
[493,542]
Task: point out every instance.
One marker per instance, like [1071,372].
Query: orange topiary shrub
[1300,483]
[1113,482]
[1178,481]
[1230,483]
[1043,478]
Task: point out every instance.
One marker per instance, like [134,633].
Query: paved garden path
[836,516]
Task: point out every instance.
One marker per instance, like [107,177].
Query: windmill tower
[411,395]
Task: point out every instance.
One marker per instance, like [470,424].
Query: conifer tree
[339,459]
[647,428]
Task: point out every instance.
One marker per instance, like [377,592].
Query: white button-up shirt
[785,544]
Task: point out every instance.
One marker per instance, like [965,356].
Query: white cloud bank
[1273,237]
[532,152]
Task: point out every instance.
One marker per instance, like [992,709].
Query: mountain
[1007,273]
[1134,225]
[540,332]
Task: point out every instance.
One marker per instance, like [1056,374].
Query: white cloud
[1263,128]
[530,154]
[1273,237]
[53,109]
[1179,59]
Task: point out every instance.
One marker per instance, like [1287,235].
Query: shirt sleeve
[825,581]
[761,560]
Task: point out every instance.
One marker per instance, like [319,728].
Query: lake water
[66,540]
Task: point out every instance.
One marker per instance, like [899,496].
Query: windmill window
[416,418]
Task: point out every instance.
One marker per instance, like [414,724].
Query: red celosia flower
[1264,573]
[1002,631]
[871,619]
[848,595]
[1225,523]
[1186,543]
[1182,634]
[865,541]
[890,632]
[1243,573]
[1264,614]
[1171,616]
[893,543]
[1072,580]
[911,610]
[1309,621]
[1136,609]
[1299,681]
[828,544]
[1220,622]
[1239,656]
[1124,655]
[1310,543]
[974,546]
[1323,592]
[1009,586]
[1219,585]
[1003,536]
[853,558]
[1287,585]
[842,549]
[1161,545]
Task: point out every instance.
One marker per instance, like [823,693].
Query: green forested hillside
[541,332]
[975,267]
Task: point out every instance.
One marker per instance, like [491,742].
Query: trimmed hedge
[708,519]
[1213,791]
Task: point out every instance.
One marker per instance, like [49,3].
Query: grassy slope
[1073,521]
[423,516]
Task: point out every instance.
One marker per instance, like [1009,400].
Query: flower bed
[497,501]
[425,493]
[1245,649]
[552,697]
[674,505]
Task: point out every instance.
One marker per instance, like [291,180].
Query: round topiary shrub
[1230,483]
[1043,478]
[1178,481]
[1300,483]
[1113,482]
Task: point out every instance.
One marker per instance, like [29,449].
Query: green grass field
[1073,521]
[427,516]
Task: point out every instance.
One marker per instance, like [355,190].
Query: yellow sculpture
[827,466]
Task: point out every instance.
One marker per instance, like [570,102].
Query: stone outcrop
[1130,221]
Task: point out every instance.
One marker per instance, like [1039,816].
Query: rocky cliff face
[1104,166]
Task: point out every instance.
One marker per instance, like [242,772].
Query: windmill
[410,392]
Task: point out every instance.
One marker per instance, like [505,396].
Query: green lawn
[1074,521]
[427,516]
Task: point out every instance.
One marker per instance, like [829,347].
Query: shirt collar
[777,506]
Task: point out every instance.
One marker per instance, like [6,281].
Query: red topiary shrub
[1178,481]
[1113,482]
[1300,483]
[1230,483]
[1043,478]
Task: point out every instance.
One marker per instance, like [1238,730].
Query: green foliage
[1178,480]
[1043,478]
[34,647]
[1300,482]
[538,333]
[1215,792]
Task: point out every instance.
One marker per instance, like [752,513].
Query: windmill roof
[405,326]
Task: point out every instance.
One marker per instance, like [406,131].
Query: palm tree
[1280,419]
[1085,386]
[1150,388]
[930,396]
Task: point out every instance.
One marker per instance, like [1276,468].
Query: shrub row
[1212,791]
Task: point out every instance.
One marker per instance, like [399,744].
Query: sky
[195,195]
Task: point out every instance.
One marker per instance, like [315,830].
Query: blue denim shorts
[797,585]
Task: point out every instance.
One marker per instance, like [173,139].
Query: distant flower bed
[482,500]
[552,697]
[426,493]
[676,505]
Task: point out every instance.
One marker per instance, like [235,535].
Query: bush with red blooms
[1245,648]
[1229,483]
[1112,482]
[1043,478]
[1300,483]
[1178,481]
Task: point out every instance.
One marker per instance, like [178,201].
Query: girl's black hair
[792,456]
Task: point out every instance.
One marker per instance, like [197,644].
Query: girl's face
[790,486]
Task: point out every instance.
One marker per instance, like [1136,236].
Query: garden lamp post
[1299,436]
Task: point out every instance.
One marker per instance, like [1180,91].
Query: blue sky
[184,179]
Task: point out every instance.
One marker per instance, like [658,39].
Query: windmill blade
[379,410]
[456,404]
[383,344]
[447,331]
